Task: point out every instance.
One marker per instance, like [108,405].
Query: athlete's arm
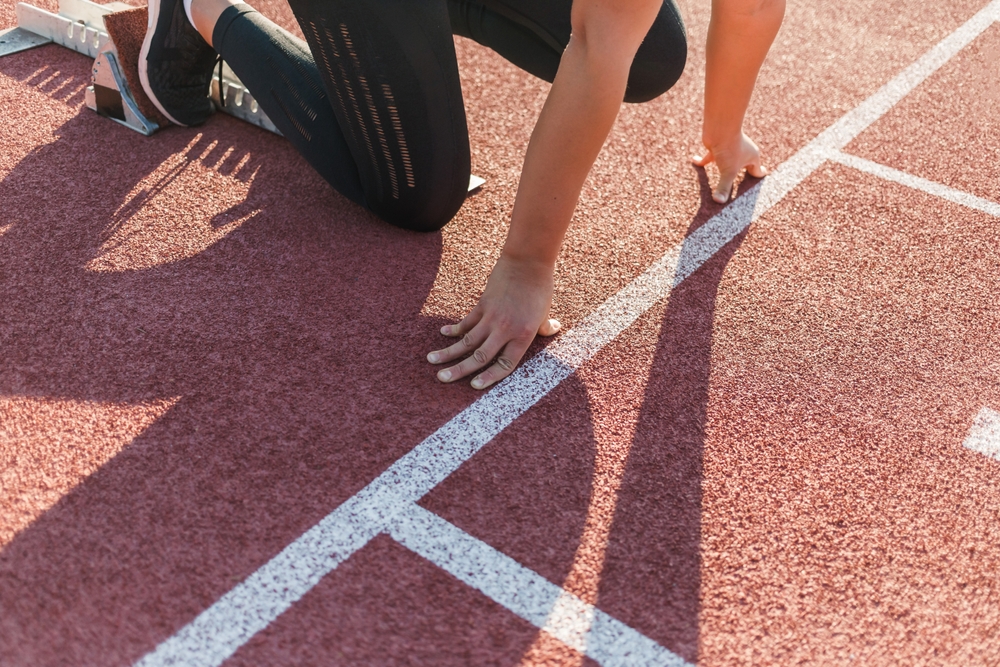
[575,121]
[739,36]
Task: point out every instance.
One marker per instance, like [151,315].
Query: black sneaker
[175,64]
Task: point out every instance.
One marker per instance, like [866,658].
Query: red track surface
[205,351]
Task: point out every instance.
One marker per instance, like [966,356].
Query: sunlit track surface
[177,444]
[221,630]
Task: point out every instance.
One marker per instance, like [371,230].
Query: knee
[417,223]
[660,60]
[423,211]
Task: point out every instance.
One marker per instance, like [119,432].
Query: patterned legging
[373,99]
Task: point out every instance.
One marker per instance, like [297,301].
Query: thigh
[391,76]
[532,34]
[661,57]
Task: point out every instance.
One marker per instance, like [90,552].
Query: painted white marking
[529,595]
[251,606]
[569,620]
[984,436]
[917,183]
[231,621]
[858,119]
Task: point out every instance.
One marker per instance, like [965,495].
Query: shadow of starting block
[80,25]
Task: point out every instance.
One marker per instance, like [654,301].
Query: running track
[770,434]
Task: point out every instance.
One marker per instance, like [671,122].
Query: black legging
[374,103]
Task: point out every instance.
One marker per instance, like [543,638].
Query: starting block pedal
[110,96]
[82,26]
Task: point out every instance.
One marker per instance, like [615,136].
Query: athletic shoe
[175,64]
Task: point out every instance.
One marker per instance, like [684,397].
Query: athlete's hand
[513,308]
[732,158]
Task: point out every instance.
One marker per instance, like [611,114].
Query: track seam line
[232,620]
[916,182]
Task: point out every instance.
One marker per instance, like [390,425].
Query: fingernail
[446,329]
[432,357]
[721,198]
[444,376]
[478,383]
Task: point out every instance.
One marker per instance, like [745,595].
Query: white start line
[388,504]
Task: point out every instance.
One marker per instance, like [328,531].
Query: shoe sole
[153,13]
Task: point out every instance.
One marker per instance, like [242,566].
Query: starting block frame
[79,26]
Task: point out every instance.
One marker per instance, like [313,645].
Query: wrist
[718,139]
[532,252]
[528,262]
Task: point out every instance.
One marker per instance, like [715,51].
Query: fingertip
[720,197]
[478,382]
[549,328]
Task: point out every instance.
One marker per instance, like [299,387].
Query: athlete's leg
[373,102]
[279,71]
[532,34]
[660,60]
[391,75]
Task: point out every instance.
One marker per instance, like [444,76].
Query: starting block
[80,26]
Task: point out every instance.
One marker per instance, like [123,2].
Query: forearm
[578,114]
[575,121]
[739,37]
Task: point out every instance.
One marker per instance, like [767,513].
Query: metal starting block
[110,96]
[79,26]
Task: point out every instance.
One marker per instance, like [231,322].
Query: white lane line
[984,436]
[231,621]
[532,597]
[858,119]
[917,183]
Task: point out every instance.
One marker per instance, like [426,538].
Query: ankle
[204,14]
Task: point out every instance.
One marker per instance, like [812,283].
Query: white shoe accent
[153,13]
[187,11]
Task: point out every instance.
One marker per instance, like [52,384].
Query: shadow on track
[654,550]
[598,487]
[292,347]
[282,413]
